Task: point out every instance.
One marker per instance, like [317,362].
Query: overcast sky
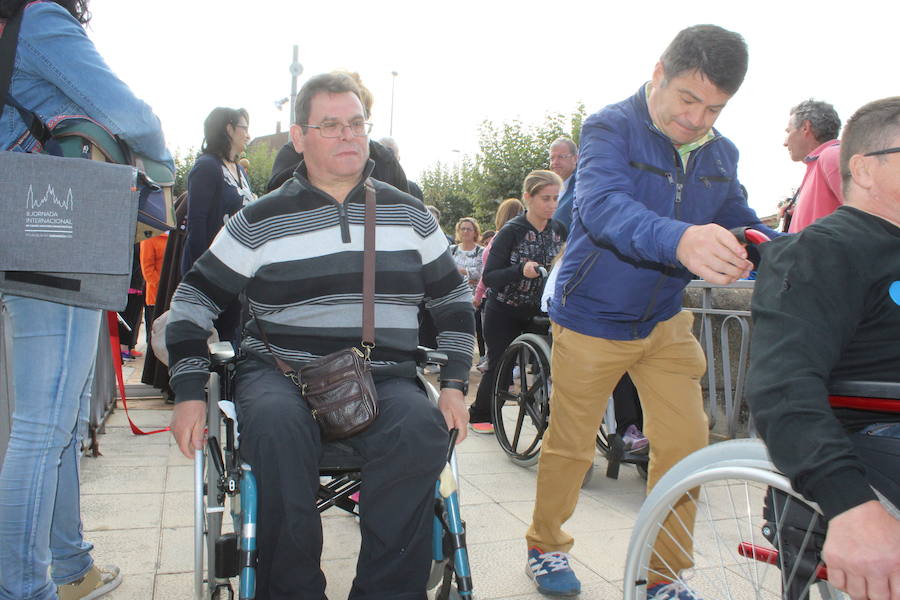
[462,62]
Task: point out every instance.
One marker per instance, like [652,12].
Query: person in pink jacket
[812,133]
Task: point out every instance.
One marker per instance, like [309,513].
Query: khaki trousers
[666,368]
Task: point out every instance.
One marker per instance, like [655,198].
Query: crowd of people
[623,220]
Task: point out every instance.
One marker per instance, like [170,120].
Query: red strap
[859,403]
[113,323]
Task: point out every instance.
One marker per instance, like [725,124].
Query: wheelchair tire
[727,485]
[521,410]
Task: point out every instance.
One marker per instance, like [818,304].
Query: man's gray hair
[333,83]
[822,117]
[572,146]
[871,128]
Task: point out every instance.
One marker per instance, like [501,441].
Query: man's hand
[530,270]
[188,424]
[452,405]
[862,553]
[713,253]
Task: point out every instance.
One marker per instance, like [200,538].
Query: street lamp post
[296,69]
[393,81]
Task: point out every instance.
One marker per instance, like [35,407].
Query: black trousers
[628,405]
[880,453]
[502,324]
[479,329]
[404,453]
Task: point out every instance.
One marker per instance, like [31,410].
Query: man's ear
[296,133]
[861,171]
[659,75]
[806,127]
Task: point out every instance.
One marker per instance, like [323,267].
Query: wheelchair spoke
[520,419]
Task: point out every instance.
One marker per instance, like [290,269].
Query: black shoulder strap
[8,55]
[8,43]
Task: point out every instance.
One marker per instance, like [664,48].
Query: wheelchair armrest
[865,395]
[427,356]
[220,353]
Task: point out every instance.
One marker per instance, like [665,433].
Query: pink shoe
[482,428]
[354,497]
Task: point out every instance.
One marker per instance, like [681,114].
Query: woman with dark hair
[218,187]
[522,246]
[43,556]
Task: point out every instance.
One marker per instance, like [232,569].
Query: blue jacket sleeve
[606,199]
[55,46]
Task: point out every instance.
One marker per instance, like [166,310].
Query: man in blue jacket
[657,192]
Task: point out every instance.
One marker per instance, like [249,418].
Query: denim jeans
[53,352]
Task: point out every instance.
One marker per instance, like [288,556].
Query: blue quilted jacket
[633,201]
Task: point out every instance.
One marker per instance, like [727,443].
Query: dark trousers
[479,329]
[502,324]
[879,450]
[404,452]
[627,405]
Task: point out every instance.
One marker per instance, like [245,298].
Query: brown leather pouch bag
[340,392]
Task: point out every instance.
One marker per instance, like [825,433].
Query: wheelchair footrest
[227,556]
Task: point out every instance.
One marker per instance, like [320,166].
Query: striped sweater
[298,255]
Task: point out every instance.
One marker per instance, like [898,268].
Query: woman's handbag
[339,387]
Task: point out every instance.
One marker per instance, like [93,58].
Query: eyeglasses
[333,129]
[561,156]
[466,229]
[885,151]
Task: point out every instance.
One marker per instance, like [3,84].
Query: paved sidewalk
[137,505]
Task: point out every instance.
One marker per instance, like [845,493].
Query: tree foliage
[507,153]
[261,158]
[444,186]
[184,162]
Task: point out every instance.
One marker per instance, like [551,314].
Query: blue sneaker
[671,591]
[551,573]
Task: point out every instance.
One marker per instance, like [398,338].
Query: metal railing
[734,372]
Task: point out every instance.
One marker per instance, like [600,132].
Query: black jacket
[387,169]
[515,244]
[822,314]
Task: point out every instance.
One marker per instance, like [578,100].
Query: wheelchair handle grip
[454,433]
[748,235]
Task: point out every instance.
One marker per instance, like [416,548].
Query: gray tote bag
[67,229]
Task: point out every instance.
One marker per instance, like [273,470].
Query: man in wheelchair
[823,317]
[297,254]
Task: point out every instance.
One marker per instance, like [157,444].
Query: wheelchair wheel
[521,398]
[753,537]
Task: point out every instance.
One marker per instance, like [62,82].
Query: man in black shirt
[822,314]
